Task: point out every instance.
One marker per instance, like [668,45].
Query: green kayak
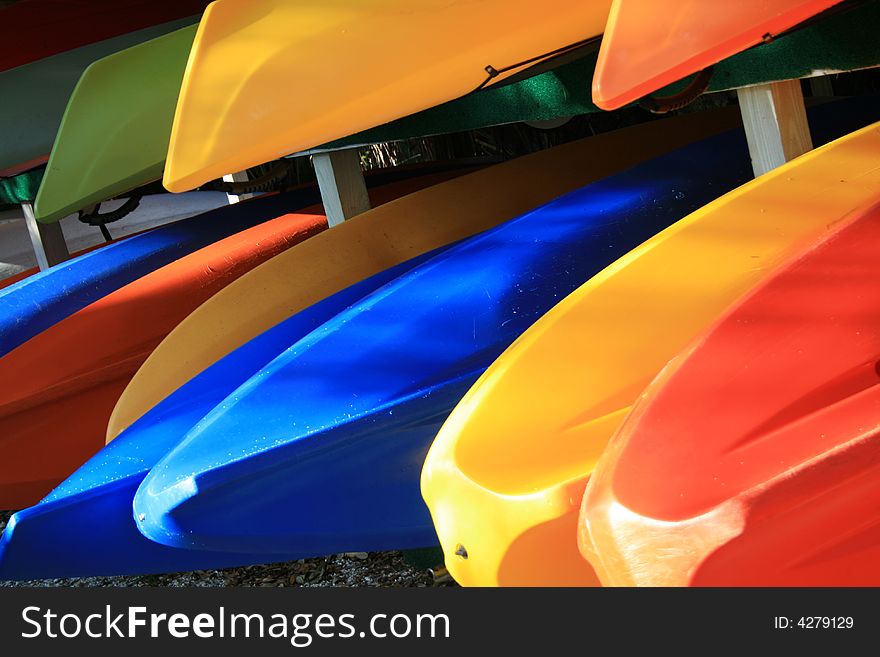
[34,96]
[114,134]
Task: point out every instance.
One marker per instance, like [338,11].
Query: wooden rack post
[46,239]
[342,185]
[775,122]
[241,176]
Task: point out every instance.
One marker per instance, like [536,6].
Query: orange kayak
[754,458]
[63,383]
[648,44]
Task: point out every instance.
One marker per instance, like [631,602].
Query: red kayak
[34,29]
[649,44]
[754,458]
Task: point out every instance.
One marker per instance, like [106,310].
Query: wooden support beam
[47,239]
[241,176]
[775,122]
[342,185]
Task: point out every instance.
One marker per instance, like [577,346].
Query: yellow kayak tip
[267,78]
[505,476]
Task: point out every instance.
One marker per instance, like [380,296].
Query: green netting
[841,42]
[20,189]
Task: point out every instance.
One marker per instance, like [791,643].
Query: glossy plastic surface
[85,527]
[506,475]
[35,29]
[753,458]
[321,451]
[114,133]
[62,384]
[267,78]
[36,94]
[39,301]
[55,415]
[648,45]
[386,236]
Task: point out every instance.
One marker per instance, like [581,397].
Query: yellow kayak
[506,474]
[267,78]
[389,235]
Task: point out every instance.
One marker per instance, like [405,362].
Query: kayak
[20,276]
[506,474]
[752,459]
[36,29]
[383,237]
[320,451]
[267,78]
[648,45]
[38,541]
[44,299]
[36,94]
[114,133]
[52,419]
[64,381]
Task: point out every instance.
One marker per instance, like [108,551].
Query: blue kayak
[321,451]
[37,302]
[85,526]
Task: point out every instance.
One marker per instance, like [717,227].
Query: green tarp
[20,189]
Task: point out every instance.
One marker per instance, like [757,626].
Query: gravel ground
[385,569]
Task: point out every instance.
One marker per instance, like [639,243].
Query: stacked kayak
[116,304]
[770,475]
[601,217]
[97,499]
[621,361]
[114,133]
[241,103]
[386,236]
[320,451]
[506,474]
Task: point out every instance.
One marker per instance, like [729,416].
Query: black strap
[492,72]
[266,182]
[94,217]
[664,104]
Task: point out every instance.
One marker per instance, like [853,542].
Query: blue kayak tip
[153,510]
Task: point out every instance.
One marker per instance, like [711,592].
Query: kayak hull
[733,471]
[233,113]
[97,499]
[113,136]
[599,360]
[53,419]
[385,236]
[317,454]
